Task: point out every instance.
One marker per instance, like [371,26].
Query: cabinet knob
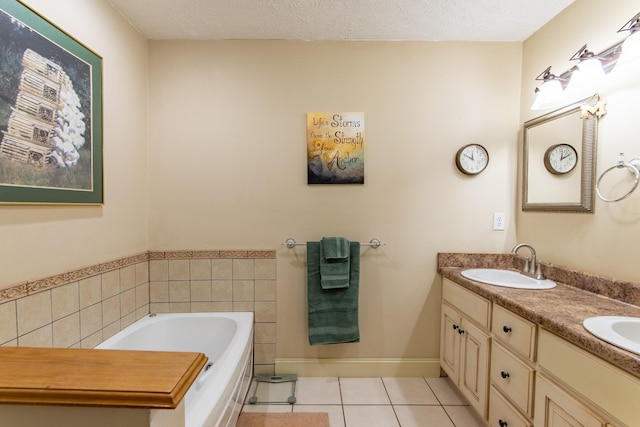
[455,327]
[503,423]
[461,331]
[506,329]
[504,374]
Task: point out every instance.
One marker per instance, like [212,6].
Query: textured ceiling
[465,20]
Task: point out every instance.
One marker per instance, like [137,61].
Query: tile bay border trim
[40,285]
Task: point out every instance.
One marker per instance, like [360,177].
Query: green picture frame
[50,113]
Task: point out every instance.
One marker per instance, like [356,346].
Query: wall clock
[560,159]
[472,159]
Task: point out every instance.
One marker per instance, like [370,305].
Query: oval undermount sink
[621,331]
[506,278]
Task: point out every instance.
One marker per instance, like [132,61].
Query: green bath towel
[333,313]
[334,262]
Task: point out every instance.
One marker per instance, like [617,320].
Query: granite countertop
[560,310]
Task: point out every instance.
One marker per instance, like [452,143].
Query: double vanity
[517,347]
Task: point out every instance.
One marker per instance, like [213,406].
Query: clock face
[472,159]
[560,159]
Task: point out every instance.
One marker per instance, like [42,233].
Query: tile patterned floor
[371,402]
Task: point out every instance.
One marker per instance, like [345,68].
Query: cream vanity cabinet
[516,374]
[465,342]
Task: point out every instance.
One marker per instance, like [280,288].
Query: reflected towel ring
[632,166]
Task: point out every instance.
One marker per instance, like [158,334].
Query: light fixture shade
[630,49]
[549,95]
[586,79]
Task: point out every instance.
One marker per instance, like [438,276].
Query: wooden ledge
[104,378]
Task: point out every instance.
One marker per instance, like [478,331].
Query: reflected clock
[560,159]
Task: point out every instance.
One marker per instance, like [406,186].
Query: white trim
[360,367]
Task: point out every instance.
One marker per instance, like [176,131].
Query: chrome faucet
[532,266]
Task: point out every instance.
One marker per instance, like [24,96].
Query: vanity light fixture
[587,76]
[585,79]
[631,45]
[550,93]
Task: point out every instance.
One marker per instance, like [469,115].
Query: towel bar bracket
[375,243]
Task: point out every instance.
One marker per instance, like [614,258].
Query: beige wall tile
[266,290]
[65,300]
[222,269]
[222,306]
[264,370]
[127,277]
[110,284]
[265,333]
[127,302]
[243,269]
[42,337]
[142,312]
[265,269]
[110,330]
[8,322]
[243,290]
[142,272]
[90,291]
[222,290]
[200,269]
[159,307]
[158,270]
[142,295]
[180,307]
[265,311]
[201,290]
[243,306]
[92,340]
[12,343]
[201,306]
[159,291]
[34,311]
[264,354]
[127,320]
[90,320]
[179,291]
[178,269]
[110,310]
[66,331]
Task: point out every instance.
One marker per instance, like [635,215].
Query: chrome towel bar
[375,243]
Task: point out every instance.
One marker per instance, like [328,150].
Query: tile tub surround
[560,310]
[84,307]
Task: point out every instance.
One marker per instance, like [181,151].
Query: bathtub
[215,397]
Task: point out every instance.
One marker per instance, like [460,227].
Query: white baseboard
[344,367]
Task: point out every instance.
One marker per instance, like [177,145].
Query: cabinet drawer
[513,378]
[501,412]
[515,332]
[472,305]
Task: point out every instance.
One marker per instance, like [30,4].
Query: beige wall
[228,165]
[45,240]
[604,242]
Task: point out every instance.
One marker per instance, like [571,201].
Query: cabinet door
[474,365]
[556,408]
[450,342]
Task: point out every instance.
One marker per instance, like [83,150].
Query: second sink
[506,278]
[621,331]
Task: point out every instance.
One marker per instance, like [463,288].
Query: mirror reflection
[559,158]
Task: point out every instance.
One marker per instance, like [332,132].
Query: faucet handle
[539,272]
[526,265]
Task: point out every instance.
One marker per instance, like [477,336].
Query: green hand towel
[333,313]
[334,262]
